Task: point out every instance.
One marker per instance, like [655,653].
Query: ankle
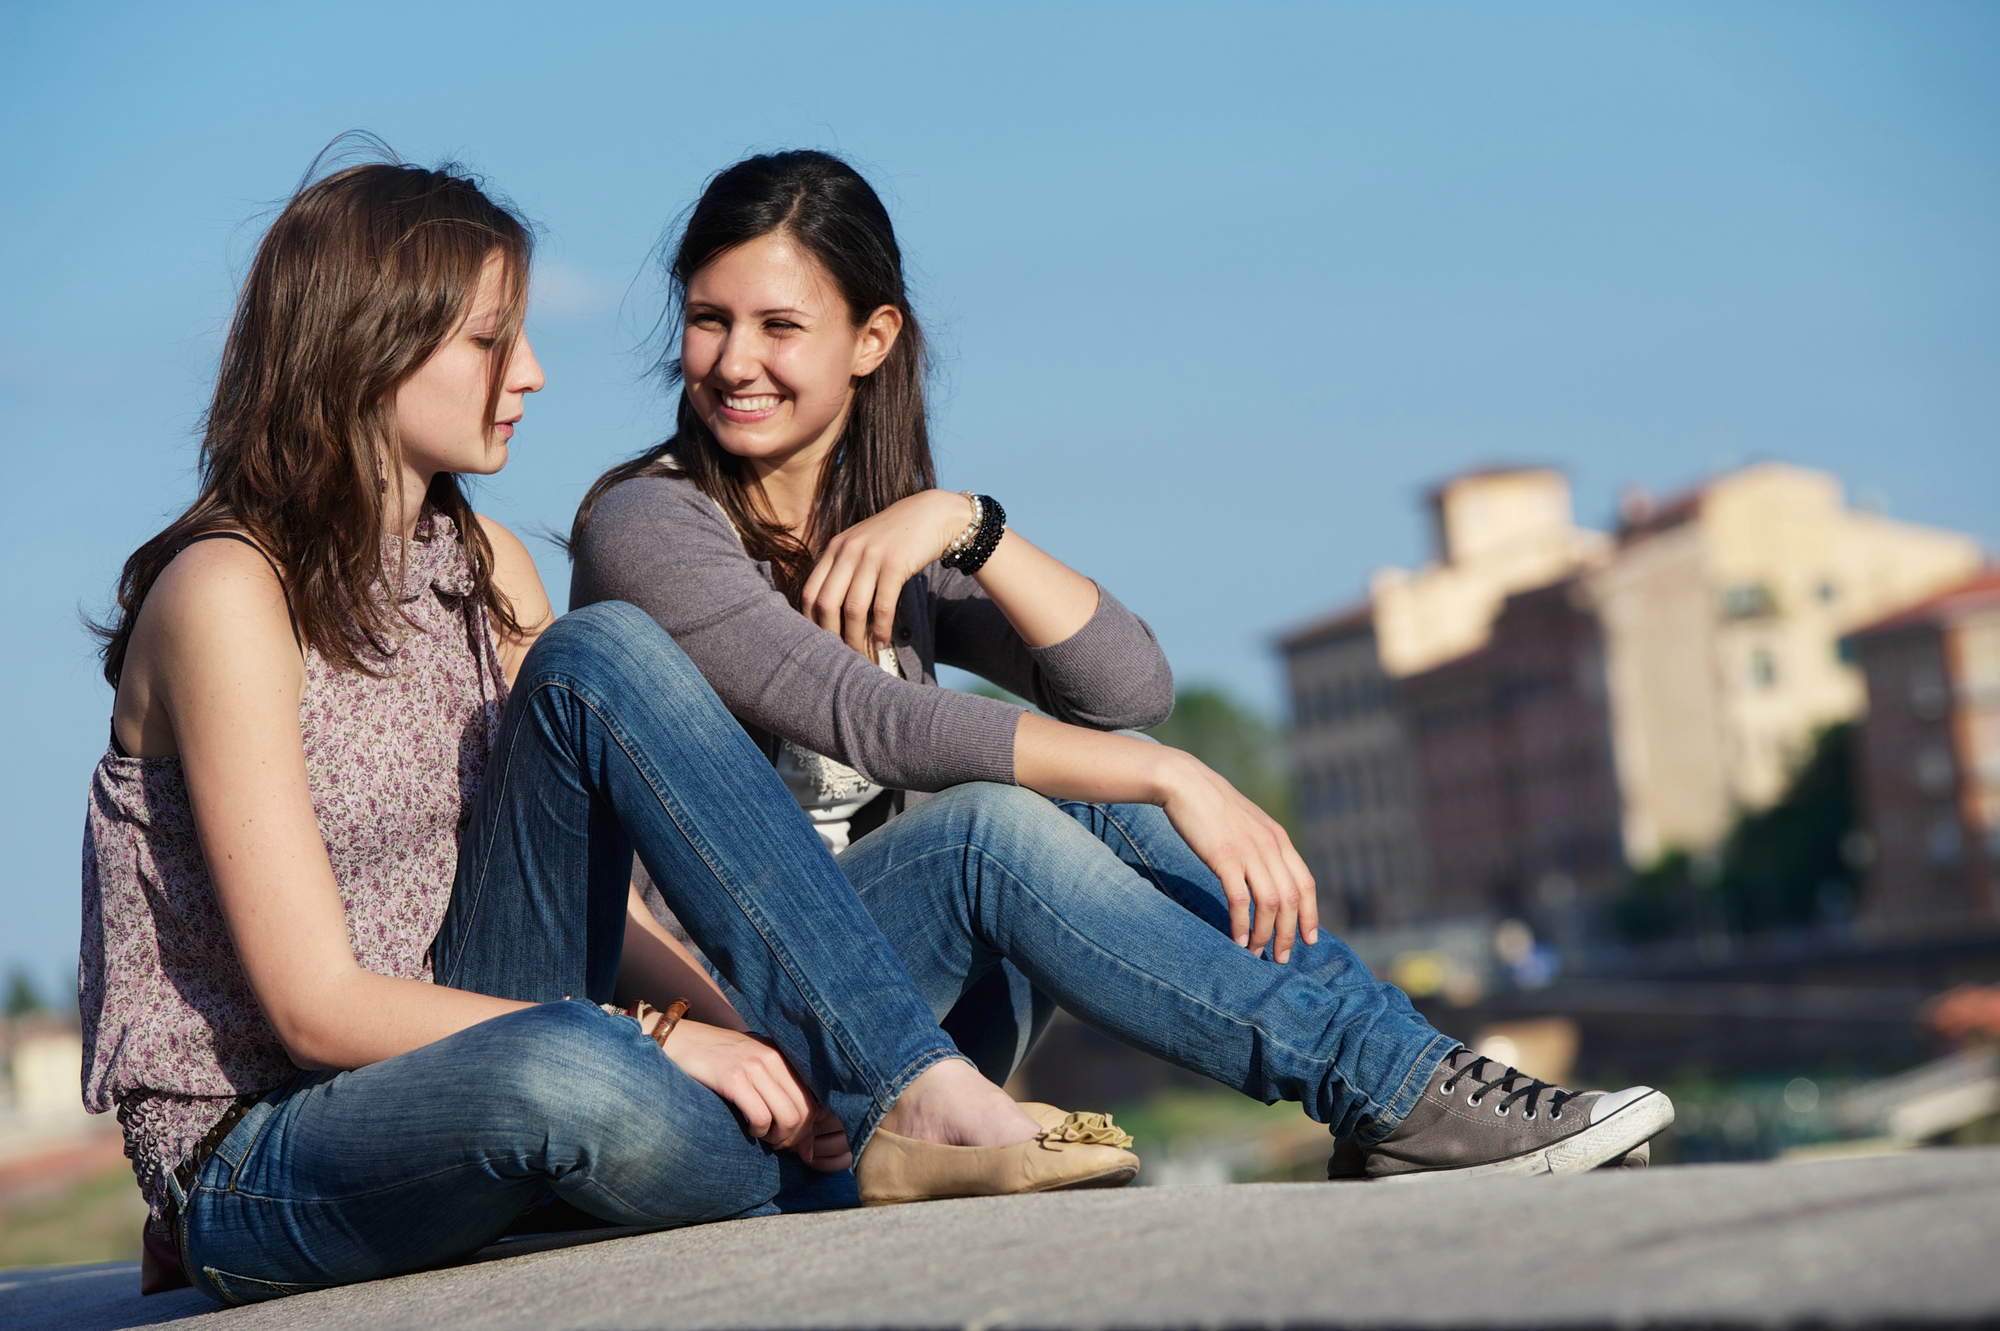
[952,1105]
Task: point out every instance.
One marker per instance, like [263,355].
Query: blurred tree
[1244,748]
[1781,867]
[1658,901]
[22,996]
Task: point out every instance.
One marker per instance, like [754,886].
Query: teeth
[761,402]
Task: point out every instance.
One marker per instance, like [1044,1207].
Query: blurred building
[1512,724]
[1495,532]
[1722,611]
[1512,744]
[1357,809]
[1930,757]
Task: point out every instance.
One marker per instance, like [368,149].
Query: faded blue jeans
[1000,901]
[612,741]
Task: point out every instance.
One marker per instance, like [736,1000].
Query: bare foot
[951,1104]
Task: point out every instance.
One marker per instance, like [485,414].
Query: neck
[402,520]
[790,484]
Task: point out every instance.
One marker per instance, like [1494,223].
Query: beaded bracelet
[965,538]
[970,552]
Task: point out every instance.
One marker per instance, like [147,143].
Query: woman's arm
[711,1044]
[855,585]
[662,545]
[657,967]
[1024,620]
[213,651]
[1241,843]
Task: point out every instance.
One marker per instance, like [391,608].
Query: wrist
[957,514]
[1172,776]
[971,548]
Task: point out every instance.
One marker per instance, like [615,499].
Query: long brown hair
[362,276]
[884,451]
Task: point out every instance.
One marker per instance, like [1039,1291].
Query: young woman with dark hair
[790,536]
[357,862]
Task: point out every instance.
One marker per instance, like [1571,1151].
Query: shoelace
[1532,1092]
[1087,1129]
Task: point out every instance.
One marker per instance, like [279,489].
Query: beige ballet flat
[1072,1151]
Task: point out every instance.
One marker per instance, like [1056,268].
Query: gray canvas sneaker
[1481,1117]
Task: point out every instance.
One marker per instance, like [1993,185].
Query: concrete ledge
[1902,1241]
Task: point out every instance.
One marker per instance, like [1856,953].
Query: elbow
[1154,709]
[313,1031]
[309,1049]
[1147,703]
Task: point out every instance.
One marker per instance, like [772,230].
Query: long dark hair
[884,452]
[362,276]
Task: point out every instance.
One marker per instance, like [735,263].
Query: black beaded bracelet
[992,526]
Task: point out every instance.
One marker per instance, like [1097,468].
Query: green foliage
[1241,746]
[1247,750]
[1658,902]
[22,996]
[1778,861]
[1780,867]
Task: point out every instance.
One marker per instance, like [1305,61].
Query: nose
[736,360]
[524,372]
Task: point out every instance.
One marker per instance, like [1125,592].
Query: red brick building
[1512,742]
[1930,757]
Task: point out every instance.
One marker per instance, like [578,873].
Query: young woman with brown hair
[790,535]
[357,861]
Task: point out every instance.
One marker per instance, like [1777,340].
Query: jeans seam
[1138,851]
[837,1030]
[1397,1111]
[476,892]
[1029,893]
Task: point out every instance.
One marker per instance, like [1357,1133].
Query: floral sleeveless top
[172,1034]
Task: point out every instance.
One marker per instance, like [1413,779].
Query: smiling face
[770,353]
[441,414]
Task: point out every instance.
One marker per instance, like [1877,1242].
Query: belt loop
[175,1191]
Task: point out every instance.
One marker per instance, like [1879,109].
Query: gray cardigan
[664,546]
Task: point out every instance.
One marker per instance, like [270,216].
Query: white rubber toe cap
[1607,1105]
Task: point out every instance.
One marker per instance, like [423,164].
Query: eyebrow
[782,309]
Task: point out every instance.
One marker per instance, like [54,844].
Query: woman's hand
[854,586]
[1241,843]
[1252,855]
[757,1082]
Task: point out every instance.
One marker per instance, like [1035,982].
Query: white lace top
[830,792]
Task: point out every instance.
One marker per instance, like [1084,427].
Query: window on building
[1763,668]
[1934,772]
[1941,847]
[1928,694]
[1749,600]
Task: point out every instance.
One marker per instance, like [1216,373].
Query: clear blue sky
[1219,290]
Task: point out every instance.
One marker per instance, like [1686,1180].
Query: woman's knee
[620,1121]
[987,807]
[606,639]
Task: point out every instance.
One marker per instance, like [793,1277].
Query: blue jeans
[611,741]
[999,900]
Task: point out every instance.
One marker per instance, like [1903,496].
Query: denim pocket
[238,1290]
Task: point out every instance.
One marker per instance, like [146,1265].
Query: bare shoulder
[517,579]
[221,593]
[514,571]
[214,623]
